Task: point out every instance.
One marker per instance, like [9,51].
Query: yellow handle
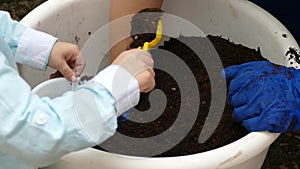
[149,45]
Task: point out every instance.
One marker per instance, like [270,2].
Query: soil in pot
[227,130]
[229,53]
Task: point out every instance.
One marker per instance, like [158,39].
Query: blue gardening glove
[265,96]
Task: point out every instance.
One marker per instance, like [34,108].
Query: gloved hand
[67,59]
[265,96]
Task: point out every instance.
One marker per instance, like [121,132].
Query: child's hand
[140,64]
[67,59]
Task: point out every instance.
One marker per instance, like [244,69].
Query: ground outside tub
[239,20]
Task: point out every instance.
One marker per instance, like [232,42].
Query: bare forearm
[121,8]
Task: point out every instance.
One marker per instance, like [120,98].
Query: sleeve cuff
[34,49]
[122,85]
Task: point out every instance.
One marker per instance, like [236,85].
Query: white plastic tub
[239,20]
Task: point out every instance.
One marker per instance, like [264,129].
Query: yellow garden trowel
[146,46]
[149,45]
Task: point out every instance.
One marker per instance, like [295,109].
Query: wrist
[48,57]
[35,55]
[121,84]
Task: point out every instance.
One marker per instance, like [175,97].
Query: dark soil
[230,54]
[284,153]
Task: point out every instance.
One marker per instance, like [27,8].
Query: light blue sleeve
[10,31]
[38,131]
[29,46]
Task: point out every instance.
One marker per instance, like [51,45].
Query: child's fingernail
[73,79]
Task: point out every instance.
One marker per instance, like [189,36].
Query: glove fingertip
[230,72]
[223,74]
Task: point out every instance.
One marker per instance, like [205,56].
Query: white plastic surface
[246,153]
[53,88]
[239,20]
